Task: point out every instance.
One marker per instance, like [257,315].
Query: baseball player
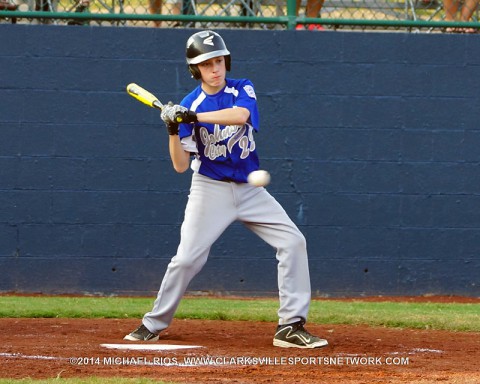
[219,118]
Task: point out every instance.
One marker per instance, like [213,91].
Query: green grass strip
[440,316]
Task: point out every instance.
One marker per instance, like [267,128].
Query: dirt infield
[237,352]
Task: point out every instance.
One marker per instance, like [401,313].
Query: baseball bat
[144,96]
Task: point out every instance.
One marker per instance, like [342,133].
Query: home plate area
[148,347]
[196,351]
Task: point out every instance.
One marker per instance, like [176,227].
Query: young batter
[219,119]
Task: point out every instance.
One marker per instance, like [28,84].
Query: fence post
[291,13]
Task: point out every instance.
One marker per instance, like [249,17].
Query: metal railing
[411,15]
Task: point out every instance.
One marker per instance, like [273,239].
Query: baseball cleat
[142,334]
[295,336]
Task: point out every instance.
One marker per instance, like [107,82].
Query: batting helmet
[202,46]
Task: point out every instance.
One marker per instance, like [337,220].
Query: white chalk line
[426,350]
[413,351]
[31,357]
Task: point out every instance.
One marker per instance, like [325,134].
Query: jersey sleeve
[248,99]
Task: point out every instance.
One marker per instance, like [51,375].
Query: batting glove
[172,129]
[186,117]
[169,112]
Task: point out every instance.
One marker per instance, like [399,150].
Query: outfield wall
[372,140]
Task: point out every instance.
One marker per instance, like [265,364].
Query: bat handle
[157,104]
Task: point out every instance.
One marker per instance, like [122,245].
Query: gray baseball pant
[212,206]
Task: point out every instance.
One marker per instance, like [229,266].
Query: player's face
[213,73]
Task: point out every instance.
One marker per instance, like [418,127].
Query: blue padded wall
[371,139]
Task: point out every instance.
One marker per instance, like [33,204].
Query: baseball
[259,178]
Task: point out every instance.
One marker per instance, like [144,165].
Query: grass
[439,316]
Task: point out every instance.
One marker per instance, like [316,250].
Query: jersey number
[247,144]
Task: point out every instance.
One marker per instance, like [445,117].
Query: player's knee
[184,263]
[188,263]
[297,242]
[300,241]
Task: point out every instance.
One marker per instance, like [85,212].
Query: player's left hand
[170,111]
[186,117]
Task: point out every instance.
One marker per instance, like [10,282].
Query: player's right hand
[172,128]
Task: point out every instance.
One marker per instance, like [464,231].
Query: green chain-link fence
[411,15]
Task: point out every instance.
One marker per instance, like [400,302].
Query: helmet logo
[208,41]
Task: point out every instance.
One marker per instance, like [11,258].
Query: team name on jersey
[234,133]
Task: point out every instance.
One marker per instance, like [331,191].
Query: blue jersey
[224,153]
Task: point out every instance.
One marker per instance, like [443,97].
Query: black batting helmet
[202,46]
